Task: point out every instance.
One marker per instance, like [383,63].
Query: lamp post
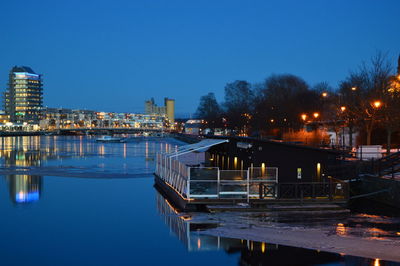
[343,109]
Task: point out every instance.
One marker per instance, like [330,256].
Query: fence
[193,182]
[333,189]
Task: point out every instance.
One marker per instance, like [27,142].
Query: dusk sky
[113,55]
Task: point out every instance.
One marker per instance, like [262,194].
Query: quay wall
[387,190]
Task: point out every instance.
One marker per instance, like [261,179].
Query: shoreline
[311,238]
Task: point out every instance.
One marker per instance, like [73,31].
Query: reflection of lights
[27,197]
[376,262]
[171,207]
[376,233]
[186,217]
[198,243]
[263,247]
[341,229]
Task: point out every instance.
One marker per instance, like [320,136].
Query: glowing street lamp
[354,88]
[304,117]
[316,115]
[343,108]
[324,94]
[377,104]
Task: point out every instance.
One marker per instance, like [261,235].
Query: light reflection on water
[57,219]
[25,153]
[342,224]
[251,252]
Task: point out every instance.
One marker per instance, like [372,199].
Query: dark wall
[287,157]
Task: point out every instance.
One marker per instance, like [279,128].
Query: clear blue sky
[112,55]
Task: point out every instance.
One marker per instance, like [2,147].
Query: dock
[188,179]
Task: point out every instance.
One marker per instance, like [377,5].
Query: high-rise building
[168,110]
[23,99]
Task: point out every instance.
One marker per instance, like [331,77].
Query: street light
[343,108]
[304,117]
[315,115]
[354,88]
[377,104]
[324,94]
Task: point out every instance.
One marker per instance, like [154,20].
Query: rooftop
[22,69]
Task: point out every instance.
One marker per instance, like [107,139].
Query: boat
[110,139]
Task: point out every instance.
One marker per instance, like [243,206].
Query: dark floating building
[23,98]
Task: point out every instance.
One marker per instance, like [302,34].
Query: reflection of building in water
[250,252]
[24,188]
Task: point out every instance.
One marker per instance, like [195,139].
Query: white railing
[193,182]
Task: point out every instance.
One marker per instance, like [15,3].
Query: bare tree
[209,110]
[238,103]
[362,93]
[280,101]
[391,108]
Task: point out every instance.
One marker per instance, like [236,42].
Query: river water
[68,200]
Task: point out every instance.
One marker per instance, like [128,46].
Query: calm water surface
[72,201]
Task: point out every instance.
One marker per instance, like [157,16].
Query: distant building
[193,127]
[23,98]
[168,110]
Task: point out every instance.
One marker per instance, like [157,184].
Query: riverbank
[336,235]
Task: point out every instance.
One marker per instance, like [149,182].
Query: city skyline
[118,56]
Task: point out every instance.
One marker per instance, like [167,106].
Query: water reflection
[251,252]
[25,159]
[24,188]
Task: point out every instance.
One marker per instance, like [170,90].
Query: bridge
[106,130]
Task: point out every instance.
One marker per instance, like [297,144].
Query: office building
[23,98]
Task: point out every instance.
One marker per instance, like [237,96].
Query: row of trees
[366,98]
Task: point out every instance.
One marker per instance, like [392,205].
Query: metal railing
[331,190]
[194,182]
